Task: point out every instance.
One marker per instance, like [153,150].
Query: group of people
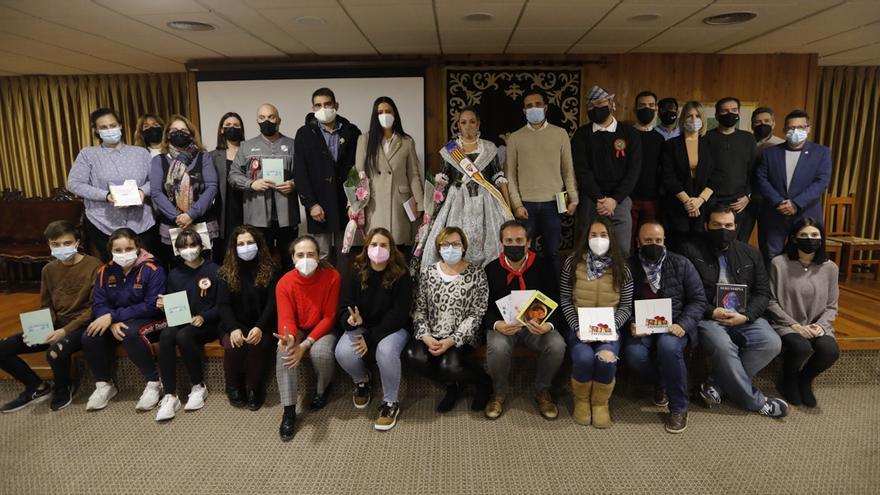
[656,218]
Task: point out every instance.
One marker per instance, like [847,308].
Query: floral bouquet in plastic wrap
[357,190]
[434,196]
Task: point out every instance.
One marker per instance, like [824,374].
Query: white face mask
[599,245]
[247,252]
[125,259]
[111,136]
[535,115]
[190,253]
[386,120]
[64,253]
[306,266]
[796,136]
[326,115]
[693,125]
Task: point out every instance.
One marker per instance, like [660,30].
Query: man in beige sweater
[538,167]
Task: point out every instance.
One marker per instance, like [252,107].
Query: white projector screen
[293,99]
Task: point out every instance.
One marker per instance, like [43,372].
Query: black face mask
[179,139]
[652,252]
[152,135]
[761,131]
[233,133]
[645,115]
[599,115]
[668,117]
[808,245]
[721,238]
[514,253]
[268,128]
[727,119]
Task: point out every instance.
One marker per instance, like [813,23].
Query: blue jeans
[387,358]
[733,365]
[545,221]
[665,368]
[586,366]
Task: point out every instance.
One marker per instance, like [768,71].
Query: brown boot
[599,402]
[581,393]
[495,407]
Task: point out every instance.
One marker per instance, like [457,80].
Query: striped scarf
[597,265]
[653,271]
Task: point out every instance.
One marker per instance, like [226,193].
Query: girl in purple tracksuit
[125,311]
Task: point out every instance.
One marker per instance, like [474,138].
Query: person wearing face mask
[804,298]
[763,125]
[66,287]
[792,177]
[734,154]
[197,276]
[184,183]
[479,208]
[374,314]
[324,154]
[124,311]
[269,205]
[688,177]
[308,297]
[738,345]
[648,189]
[386,156]
[451,299]
[596,276]
[148,133]
[607,162]
[539,165]
[228,200]
[667,112]
[246,298]
[519,268]
[95,168]
[658,359]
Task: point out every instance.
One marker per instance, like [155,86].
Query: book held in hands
[734,297]
[596,324]
[653,316]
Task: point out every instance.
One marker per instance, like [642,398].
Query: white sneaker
[104,391]
[150,397]
[170,404]
[197,397]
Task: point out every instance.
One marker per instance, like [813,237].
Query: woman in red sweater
[307,300]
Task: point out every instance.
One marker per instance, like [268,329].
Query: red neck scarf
[511,273]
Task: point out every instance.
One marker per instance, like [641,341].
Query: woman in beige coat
[387,157]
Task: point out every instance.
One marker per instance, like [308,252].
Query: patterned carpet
[834,449]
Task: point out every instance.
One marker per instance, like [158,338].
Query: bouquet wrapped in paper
[357,190]
[434,196]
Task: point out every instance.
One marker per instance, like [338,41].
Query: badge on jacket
[204,285]
[619,147]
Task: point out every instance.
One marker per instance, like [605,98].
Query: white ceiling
[117,36]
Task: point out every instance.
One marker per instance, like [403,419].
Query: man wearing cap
[607,158]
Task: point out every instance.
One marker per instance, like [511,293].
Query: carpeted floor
[833,449]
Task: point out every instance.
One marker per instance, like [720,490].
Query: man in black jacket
[738,341]
[518,268]
[324,152]
[659,274]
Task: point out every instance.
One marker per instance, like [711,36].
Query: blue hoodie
[132,296]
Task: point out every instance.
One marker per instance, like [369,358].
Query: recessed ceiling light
[310,20]
[478,17]
[729,18]
[190,26]
[644,17]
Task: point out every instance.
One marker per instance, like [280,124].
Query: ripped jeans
[590,360]
[58,355]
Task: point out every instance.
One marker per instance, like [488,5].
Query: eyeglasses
[446,245]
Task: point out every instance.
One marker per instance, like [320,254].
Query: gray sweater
[802,295]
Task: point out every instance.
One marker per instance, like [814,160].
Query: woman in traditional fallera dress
[478,205]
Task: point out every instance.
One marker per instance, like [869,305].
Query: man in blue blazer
[792,177]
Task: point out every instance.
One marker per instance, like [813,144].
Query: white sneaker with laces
[196,399]
[170,404]
[150,397]
[104,391]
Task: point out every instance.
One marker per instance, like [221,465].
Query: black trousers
[280,238]
[58,355]
[189,339]
[454,365]
[807,358]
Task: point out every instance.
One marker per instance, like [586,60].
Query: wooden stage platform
[857,324]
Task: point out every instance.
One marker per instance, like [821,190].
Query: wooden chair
[840,222]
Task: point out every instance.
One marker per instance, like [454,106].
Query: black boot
[235,396]
[453,392]
[805,386]
[482,392]
[790,390]
[288,421]
[254,399]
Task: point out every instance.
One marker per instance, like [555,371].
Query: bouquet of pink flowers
[434,195]
[357,190]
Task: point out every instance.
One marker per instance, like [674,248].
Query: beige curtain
[848,121]
[44,120]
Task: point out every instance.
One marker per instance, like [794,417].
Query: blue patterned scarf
[597,265]
[653,271]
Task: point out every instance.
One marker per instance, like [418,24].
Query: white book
[411,208]
[273,170]
[126,193]
[176,307]
[504,308]
[518,301]
[596,324]
[653,316]
[36,326]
